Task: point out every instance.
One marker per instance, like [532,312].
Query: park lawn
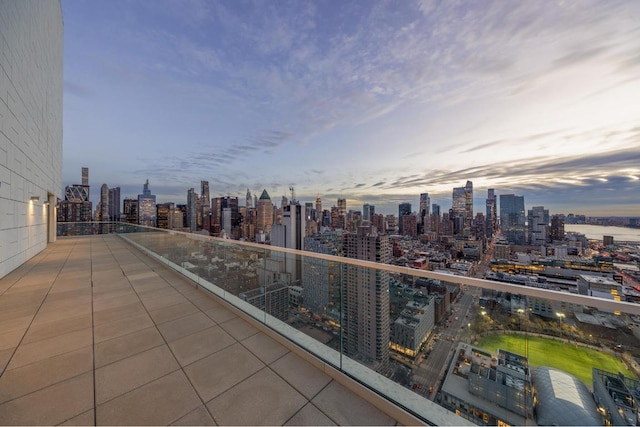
[577,361]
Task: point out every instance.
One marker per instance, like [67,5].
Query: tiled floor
[93,332]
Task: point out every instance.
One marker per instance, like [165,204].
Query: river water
[620,234]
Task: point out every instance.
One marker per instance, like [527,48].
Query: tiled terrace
[94,332]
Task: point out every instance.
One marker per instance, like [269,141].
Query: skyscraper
[491,213]
[147,207]
[114,204]
[556,233]
[342,214]
[538,225]
[512,218]
[265,213]
[248,200]
[104,202]
[130,208]
[365,303]
[76,206]
[205,205]
[462,204]
[192,214]
[423,214]
[403,209]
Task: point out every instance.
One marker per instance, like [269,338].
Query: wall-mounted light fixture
[35,198]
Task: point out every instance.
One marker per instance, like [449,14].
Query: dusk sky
[373,101]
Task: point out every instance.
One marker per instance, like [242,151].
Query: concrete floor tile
[132,372]
[52,405]
[113,302]
[239,328]
[40,330]
[119,348]
[158,403]
[265,348]
[162,302]
[35,376]
[5,356]
[11,339]
[272,401]
[220,314]
[184,326]
[205,302]
[118,328]
[200,344]
[198,417]
[222,370]
[133,309]
[309,416]
[347,408]
[111,292]
[302,375]
[173,312]
[43,349]
[84,419]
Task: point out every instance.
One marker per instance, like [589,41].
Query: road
[430,371]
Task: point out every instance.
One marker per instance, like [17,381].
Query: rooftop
[95,332]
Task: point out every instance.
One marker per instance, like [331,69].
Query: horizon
[370,101]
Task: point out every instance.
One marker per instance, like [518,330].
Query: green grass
[578,361]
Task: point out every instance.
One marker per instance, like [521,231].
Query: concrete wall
[31,56]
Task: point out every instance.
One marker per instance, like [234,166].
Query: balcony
[132,325]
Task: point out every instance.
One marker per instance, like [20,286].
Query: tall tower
[491,213]
[403,209]
[147,213]
[249,200]
[205,205]
[423,215]
[462,205]
[556,233]
[365,299]
[342,213]
[192,214]
[265,213]
[104,202]
[512,218]
[114,204]
[319,210]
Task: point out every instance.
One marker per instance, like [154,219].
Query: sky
[373,101]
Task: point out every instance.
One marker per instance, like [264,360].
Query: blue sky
[374,101]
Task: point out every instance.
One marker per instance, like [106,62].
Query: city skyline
[372,102]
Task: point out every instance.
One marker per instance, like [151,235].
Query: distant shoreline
[595,232]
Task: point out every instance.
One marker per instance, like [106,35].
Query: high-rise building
[368,212]
[423,215]
[403,209]
[491,213]
[131,210]
[265,213]
[319,210]
[31,84]
[342,214]
[410,225]
[512,218]
[556,232]
[538,224]
[248,200]
[104,203]
[365,302]
[114,204]
[205,205]
[76,206]
[435,218]
[147,207]
[192,210]
[462,206]
[163,215]
[322,278]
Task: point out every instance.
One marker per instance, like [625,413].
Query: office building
[365,303]
[538,225]
[424,218]
[163,215]
[130,207]
[104,204]
[321,279]
[76,206]
[341,219]
[114,204]
[368,212]
[409,225]
[264,221]
[403,209]
[31,46]
[512,218]
[491,213]
[556,231]
[412,328]
[192,210]
[147,207]
[205,206]
[462,207]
